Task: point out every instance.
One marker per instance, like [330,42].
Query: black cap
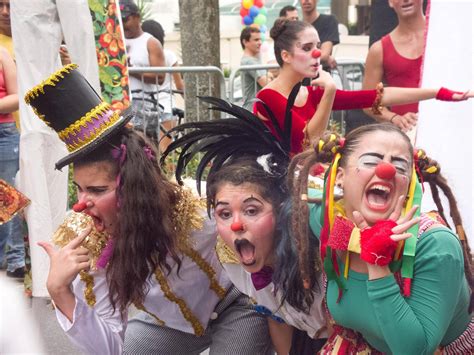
[128,7]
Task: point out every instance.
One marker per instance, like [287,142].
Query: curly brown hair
[146,235]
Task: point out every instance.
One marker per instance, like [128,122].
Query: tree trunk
[200,45]
[340,8]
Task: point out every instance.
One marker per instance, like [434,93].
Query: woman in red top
[296,51]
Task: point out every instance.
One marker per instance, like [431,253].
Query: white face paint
[301,59]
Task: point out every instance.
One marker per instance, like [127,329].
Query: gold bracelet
[377,105]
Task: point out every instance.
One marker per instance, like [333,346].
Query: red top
[4,117]
[344,100]
[400,72]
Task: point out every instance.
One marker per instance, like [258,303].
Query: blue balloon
[263,28]
[248,20]
[254,11]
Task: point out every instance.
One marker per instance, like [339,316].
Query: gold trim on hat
[75,127]
[51,81]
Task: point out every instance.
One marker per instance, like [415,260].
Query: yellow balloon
[247,4]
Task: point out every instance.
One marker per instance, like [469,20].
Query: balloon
[260,19]
[259,3]
[263,11]
[248,20]
[263,28]
[247,4]
[254,11]
[244,12]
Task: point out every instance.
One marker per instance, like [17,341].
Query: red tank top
[401,72]
[4,117]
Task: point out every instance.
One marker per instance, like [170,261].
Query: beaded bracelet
[377,106]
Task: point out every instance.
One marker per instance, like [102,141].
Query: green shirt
[435,313]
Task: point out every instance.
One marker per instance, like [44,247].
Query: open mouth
[407,6]
[246,251]
[378,196]
[98,223]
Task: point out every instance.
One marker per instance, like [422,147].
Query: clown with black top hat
[67,103]
[134,238]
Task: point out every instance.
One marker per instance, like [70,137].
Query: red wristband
[446,94]
[377,247]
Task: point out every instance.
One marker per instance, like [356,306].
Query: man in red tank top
[396,60]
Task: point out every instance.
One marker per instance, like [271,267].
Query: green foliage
[144,9]
[170,165]
[71,189]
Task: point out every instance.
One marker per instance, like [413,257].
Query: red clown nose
[237,227]
[79,207]
[316,53]
[385,171]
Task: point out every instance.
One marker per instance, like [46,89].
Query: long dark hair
[146,235]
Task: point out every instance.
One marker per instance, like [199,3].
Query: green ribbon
[409,249]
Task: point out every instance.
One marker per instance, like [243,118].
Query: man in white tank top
[143,50]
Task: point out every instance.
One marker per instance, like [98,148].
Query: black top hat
[69,104]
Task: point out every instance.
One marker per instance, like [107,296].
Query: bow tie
[262,278]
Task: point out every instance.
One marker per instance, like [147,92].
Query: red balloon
[385,171]
[258,3]
[244,12]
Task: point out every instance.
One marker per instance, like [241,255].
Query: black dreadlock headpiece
[226,139]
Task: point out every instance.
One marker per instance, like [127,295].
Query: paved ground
[54,339]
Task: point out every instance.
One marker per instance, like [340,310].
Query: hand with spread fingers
[379,241]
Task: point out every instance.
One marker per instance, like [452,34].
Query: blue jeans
[11,232]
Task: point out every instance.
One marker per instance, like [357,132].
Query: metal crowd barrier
[185,70]
[236,73]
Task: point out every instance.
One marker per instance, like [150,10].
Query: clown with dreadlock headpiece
[397,281]
[246,192]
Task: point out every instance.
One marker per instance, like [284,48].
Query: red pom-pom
[385,171]
[79,207]
[377,247]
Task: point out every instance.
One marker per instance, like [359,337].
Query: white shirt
[97,330]
[311,323]
[165,99]
[137,52]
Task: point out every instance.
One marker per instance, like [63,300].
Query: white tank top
[137,52]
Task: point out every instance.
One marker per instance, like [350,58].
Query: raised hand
[378,242]
[405,122]
[445,94]
[66,263]
[324,79]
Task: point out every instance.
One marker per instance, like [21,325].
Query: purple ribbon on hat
[262,278]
